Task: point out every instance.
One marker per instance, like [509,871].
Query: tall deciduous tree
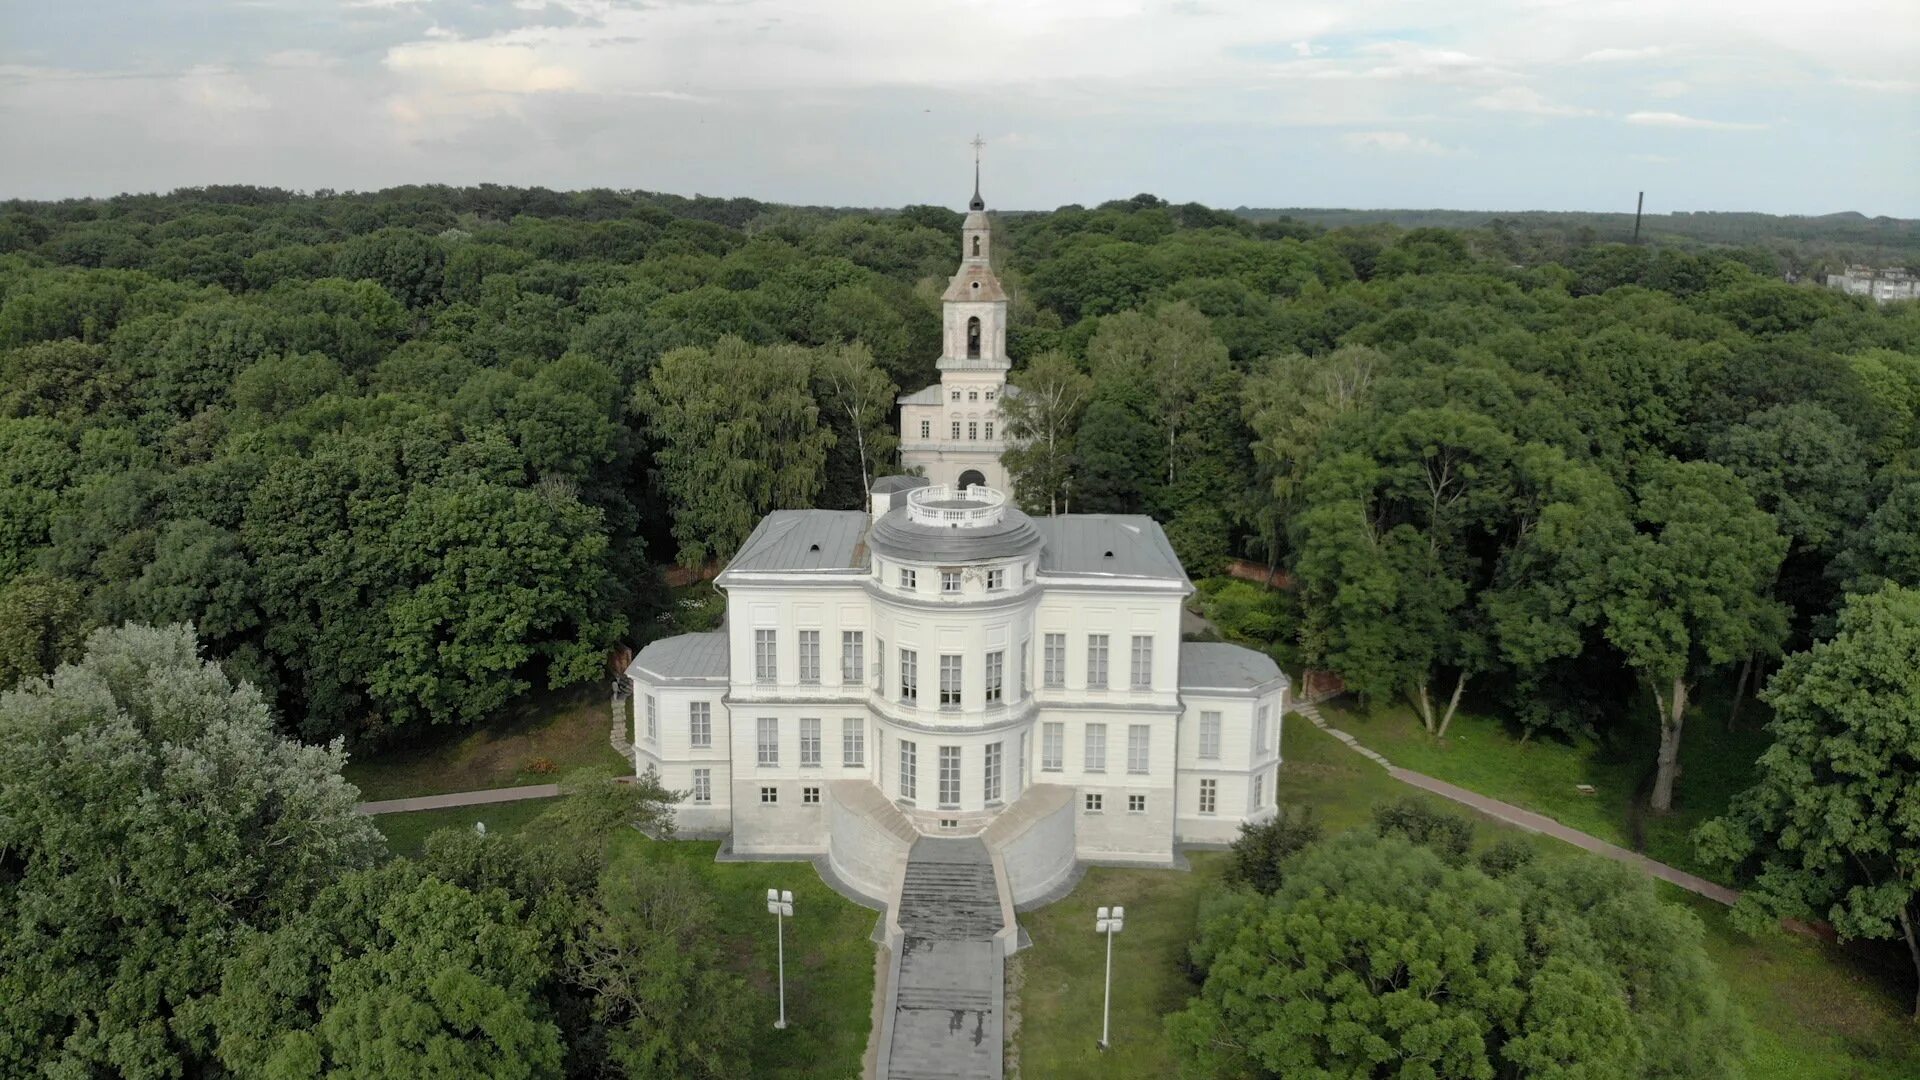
[43,622]
[856,399]
[1690,591]
[738,433]
[1289,403]
[1831,827]
[1043,405]
[149,818]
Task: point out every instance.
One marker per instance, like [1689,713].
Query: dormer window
[973,337]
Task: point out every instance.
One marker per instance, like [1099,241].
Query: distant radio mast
[1637,208]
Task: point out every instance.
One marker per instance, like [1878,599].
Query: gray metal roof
[1118,545]
[804,540]
[926,395]
[898,536]
[1218,665]
[887,485]
[689,656]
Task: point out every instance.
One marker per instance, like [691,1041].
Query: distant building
[1881,283]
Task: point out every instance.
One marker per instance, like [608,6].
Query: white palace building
[946,665]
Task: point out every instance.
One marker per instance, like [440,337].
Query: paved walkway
[947,1001]
[1526,819]
[461,798]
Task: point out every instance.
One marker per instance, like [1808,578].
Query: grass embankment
[1482,753]
[537,740]
[407,833]
[1818,1010]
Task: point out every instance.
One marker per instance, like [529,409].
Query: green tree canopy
[150,818]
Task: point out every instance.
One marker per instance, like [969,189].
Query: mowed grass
[830,958]
[1818,1010]
[536,740]
[407,833]
[1483,754]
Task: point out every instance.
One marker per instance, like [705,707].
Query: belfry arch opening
[973,337]
[976,247]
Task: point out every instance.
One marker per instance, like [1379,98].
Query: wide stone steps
[946,1019]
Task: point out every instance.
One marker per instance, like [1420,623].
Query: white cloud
[1679,120]
[1525,99]
[1669,88]
[483,67]
[1393,142]
[1889,86]
[1615,56]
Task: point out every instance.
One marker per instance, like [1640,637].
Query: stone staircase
[946,996]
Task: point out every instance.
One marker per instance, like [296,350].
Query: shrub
[1449,835]
[1505,856]
[1263,848]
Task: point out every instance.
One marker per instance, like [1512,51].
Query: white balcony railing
[958,508]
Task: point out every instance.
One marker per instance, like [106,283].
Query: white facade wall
[1241,759]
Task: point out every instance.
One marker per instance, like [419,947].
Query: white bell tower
[954,432]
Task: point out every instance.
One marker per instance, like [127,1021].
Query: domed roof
[897,536]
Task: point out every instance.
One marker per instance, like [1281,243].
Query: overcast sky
[1787,106]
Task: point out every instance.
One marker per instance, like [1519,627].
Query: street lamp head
[786,897]
[773,896]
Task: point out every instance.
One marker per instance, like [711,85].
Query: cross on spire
[978,203]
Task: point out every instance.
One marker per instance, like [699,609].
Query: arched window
[976,247]
[973,338]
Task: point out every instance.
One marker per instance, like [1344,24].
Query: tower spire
[978,203]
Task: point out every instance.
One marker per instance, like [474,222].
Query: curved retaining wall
[867,837]
[1034,840]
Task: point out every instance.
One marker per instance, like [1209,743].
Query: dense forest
[401,457]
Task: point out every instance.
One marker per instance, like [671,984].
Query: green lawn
[1481,754]
[1818,1011]
[830,957]
[407,833]
[536,740]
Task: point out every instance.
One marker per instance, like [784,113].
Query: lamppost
[780,906]
[1108,921]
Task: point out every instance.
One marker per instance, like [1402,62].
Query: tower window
[973,337]
[976,246]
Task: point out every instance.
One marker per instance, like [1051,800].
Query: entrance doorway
[971,478]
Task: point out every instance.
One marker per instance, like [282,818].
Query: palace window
[810,741]
[956,395]
[700,725]
[1094,802]
[909,676]
[926,429]
[1136,804]
[949,776]
[992,394]
[768,743]
[1260,730]
[1053,673]
[989,430]
[1026,644]
[810,657]
[1142,672]
[810,796]
[973,338]
[973,429]
[1096,758]
[766,669]
[769,796]
[908,579]
[990,773]
[996,663]
[973,395]
[1209,796]
[996,579]
[949,581]
[1138,736]
[853,742]
[703,786]
[909,770]
[1053,746]
[950,681]
[1259,792]
[1210,736]
[653,720]
[1096,661]
[853,657]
